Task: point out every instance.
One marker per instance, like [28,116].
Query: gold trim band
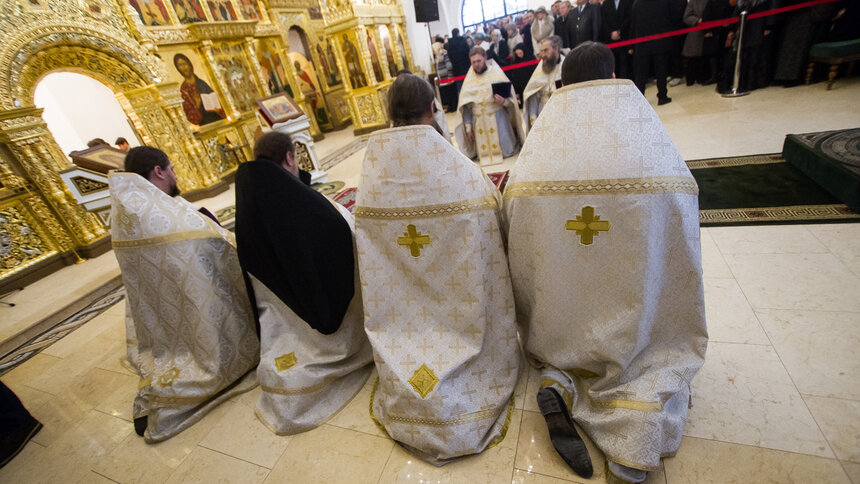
[297,391]
[666,184]
[165,239]
[628,404]
[426,211]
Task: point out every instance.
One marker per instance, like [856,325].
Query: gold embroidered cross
[285,362]
[414,240]
[423,380]
[587,225]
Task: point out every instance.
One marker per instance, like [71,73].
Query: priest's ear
[290,164]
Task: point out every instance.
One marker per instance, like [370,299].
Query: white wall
[79,108]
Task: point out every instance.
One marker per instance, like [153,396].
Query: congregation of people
[775,49]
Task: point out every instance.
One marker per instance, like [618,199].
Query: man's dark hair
[455,32]
[409,100]
[120,141]
[273,146]
[403,71]
[477,50]
[587,62]
[96,142]
[143,159]
[439,39]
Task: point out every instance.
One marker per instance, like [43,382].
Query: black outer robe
[293,240]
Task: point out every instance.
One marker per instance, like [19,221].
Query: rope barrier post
[736,90]
[433,65]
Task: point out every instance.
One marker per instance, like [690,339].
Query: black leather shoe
[664,100]
[562,433]
[14,441]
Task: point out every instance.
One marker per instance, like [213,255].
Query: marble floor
[778,399]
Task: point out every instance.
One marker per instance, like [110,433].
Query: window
[478,12]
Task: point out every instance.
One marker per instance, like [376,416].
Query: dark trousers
[622,63]
[641,66]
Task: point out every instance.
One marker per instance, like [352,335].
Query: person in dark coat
[755,63]
[584,23]
[649,17]
[562,24]
[458,53]
[697,64]
[615,19]
[520,77]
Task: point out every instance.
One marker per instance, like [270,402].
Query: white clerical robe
[605,258]
[537,92]
[497,129]
[437,297]
[191,314]
[307,376]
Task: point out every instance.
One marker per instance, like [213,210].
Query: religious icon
[306,79]
[279,108]
[199,100]
[329,65]
[402,50]
[222,10]
[152,12]
[249,9]
[99,158]
[229,60]
[350,54]
[374,58]
[273,69]
[385,38]
[189,11]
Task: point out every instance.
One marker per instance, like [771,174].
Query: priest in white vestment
[604,252]
[545,80]
[492,125]
[196,340]
[296,247]
[437,296]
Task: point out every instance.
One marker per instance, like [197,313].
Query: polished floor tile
[796,281]
[818,348]
[713,263]
[703,461]
[241,434]
[205,466]
[729,316]
[840,421]
[843,240]
[766,239]
[744,395]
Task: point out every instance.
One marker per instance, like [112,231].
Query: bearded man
[491,129]
[544,81]
[192,319]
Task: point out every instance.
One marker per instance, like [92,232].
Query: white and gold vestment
[538,91]
[307,376]
[437,296]
[498,129]
[605,259]
[192,317]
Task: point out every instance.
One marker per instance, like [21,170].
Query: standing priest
[491,128]
[438,304]
[544,81]
[605,257]
[193,322]
[296,247]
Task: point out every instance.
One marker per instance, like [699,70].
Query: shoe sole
[565,439]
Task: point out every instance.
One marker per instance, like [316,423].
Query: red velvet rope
[702,26]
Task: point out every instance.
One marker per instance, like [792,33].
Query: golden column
[27,136]
[197,155]
[250,46]
[206,49]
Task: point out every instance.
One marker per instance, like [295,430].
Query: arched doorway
[78,108]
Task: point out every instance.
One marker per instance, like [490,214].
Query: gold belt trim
[165,239]
[449,422]
[628,404]
[176,400]
[426,211]
[296,391]
[665,184]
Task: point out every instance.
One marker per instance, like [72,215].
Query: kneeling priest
[545,80]
[195,331]
[437,295]
[604,252]
[296,247]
